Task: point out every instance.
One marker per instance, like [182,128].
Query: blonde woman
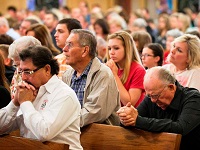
[125,63]
[184,58]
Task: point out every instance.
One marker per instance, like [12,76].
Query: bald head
[158,76]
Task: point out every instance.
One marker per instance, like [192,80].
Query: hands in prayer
[128,115]
[24,92]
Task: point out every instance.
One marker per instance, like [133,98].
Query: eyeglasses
[69,45]
[156,96]
[146,55]
[28,72]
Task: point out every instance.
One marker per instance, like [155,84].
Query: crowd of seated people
[102,65]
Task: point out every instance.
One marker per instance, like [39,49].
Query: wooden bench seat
[106,137]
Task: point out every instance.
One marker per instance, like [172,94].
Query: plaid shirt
[78,83]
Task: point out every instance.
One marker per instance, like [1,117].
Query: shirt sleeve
[8,119]
[137,77]
[49,123]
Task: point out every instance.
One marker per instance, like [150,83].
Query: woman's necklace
[179,72]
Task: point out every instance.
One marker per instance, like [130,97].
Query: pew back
[106,137]
[8,142]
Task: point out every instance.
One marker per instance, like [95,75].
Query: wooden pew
[8,142]
[106,137]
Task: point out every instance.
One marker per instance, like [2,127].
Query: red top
[135,79]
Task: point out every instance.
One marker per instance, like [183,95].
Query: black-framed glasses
[28,72]
[146,55]
[156,96]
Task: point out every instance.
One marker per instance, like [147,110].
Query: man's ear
[172,87]
[47,69]
[85,51]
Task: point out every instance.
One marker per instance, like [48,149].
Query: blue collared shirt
[78,83]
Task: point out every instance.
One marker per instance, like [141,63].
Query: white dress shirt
[53,116]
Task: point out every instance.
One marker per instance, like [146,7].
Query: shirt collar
[50,85]
[176,102]
[85,72]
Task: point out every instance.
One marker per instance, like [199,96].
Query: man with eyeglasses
[44,107]
[92,80]
[168,107]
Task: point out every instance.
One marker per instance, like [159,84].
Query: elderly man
[92,81]
[43,107]
[168,107]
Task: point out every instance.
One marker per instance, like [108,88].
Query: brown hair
[43,35]
[3,79]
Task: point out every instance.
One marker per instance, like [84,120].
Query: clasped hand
[24,92]
[128,115]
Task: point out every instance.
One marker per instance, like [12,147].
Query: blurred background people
[152,55]
[5,29]
[9,68]
[26,23]
[101,49]
[41,33]
[101,28]
[50,21]
[141,38]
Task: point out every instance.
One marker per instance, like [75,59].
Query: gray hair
[161,74]
[174,33]
[101,42]
[21,43]
[140,22]
[4,21]
[86,38]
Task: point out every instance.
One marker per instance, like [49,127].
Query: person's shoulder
[97,65]
[190,92]
[69,70]
[137,67]
[195,70]
[169,67]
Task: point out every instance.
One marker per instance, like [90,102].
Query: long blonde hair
[131,52]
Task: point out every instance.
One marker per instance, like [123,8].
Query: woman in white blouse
[184,58]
